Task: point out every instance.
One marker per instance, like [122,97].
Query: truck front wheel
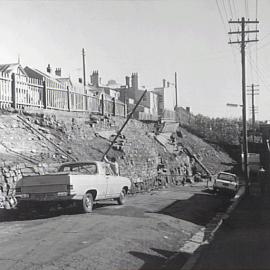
[121,199]
[87,203]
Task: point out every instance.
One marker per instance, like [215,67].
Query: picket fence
[19,91]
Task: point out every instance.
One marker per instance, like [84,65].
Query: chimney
[164,83]
[127,81]
[95,78]
[188,109]
[58,72]
[134,81]
[49,69]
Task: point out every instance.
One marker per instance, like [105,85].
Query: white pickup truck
[79,182]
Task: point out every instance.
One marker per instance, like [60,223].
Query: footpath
[243,240]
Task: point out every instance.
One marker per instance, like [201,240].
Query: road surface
[142,234]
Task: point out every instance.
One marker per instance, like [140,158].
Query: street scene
[134,135]
[142,234]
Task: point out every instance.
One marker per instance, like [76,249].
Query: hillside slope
[58,137]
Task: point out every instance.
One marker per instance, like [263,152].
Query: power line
[230,8]
[246,8]
[226,14]
[221,16]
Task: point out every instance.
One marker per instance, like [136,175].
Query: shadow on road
[198,209]
[20,215]
[163,260]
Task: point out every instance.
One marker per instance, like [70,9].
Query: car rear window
[227,177]
[89,168]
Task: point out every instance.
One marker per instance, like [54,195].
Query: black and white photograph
[134,134]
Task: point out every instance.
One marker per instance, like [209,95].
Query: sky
[153,38]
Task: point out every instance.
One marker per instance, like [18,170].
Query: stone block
[27,170]
[21,166]
[5,169]
[9,180]
[6,174]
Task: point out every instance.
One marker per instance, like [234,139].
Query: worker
[262,180]
[114,165]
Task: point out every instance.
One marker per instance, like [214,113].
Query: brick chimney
[134,81]
[163,83]
[58,72]
[49,69]
[127,81]
[95,78]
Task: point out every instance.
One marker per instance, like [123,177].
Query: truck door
[111,183]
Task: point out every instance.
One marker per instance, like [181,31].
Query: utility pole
[253,93]
[83,57]
[175,85]
[243,43]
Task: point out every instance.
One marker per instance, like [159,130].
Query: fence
[19,91]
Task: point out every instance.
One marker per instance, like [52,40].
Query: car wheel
[87,203]
[122,198]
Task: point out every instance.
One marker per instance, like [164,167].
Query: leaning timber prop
[119,132]
[29,126]
[188,152]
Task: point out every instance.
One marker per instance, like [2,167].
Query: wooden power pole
[83,58]
[253,92]
[243,43]
[175,85]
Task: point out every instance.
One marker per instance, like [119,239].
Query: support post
[119,132]
[114,107]
[44,95]
[68,99]
[13,91]
[102,105]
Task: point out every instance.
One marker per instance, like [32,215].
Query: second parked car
[226,182]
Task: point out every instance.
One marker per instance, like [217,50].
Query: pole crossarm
[245,41]
[244,21]
[246,32]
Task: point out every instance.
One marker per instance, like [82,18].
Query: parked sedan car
[76,182]
[226,182]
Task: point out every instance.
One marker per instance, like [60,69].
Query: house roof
[33,72]
[12,68]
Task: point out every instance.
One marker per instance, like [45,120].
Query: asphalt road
[142,234]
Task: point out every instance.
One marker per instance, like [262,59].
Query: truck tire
[87,203]
[122,198]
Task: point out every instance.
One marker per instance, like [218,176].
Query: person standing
[114,165]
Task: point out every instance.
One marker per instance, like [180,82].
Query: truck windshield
[89,168]
[227,177]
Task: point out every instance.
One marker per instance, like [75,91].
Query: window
[87,168]
[227,177]
[108,170]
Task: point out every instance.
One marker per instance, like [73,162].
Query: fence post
[68,98]
[102,105]
[114,106]
[85,101]
[13,91]
[44,94]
